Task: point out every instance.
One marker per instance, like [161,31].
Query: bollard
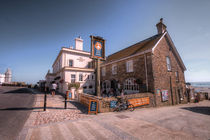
[65,104]
[45,100]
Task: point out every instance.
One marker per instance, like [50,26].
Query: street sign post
[98,54]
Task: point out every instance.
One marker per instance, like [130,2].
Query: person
[54,86]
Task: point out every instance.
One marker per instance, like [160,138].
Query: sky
[32,32]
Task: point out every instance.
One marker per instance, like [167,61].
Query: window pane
[73,78]
[80,77]
[70,63]
[168,63]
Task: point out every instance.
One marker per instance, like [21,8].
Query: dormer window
[70,63]
[168,62]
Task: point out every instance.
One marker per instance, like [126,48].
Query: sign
[158,92]
[93,107]
[68,94]
[97,48]
[113,104]
[164,95]
[139,101]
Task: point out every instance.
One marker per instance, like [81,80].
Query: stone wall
[162,76]
[139,71]
[104,103]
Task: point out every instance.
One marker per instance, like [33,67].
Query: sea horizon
[200,84]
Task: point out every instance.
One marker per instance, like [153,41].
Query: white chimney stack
[79,43]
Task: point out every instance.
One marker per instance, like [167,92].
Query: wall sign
[113,104]
[93,107]
[70,95]
[97,48]
[158,92]
[164,95]
[139,101]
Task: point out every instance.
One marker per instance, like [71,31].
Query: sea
[200,84]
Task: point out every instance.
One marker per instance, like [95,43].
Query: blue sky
[33,32]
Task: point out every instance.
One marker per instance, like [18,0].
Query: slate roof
[134,49]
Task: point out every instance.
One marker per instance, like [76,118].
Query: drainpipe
[145,63]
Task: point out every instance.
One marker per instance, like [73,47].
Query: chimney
[79,43]
[161,28]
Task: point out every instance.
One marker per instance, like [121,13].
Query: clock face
[98,45]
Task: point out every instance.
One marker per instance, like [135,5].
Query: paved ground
[15,107]
[187,122]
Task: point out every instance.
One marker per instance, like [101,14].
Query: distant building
[7,77]
[149,66]
[72,65]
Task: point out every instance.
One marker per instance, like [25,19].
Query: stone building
[149,66]
[72,65]
[7,77]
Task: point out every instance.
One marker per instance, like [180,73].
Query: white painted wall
[2,78]
[79,60]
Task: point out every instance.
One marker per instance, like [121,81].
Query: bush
[76,85]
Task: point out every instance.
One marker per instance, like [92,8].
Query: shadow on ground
[199,109]
[80,107]
[21,90]
[32,108]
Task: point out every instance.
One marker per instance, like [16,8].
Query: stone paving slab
[164,123]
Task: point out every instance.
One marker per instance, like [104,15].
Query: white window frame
[130,86]
[129,66]
[73,78]
[114,69]
[168,63]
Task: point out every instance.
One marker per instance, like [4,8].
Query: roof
[141,46]
[145,46]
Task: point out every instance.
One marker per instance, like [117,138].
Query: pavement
[180,122]
[15,107]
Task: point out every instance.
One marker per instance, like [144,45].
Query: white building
[7,77]
[72,65]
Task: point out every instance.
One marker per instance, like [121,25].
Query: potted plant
[72,87]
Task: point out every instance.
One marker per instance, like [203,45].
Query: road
[15,107]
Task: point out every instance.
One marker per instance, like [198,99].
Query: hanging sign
[93,107]
[97,48]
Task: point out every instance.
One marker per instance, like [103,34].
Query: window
[103,71]
[114,69]
[131,85]
[92,77]
[129,66]
[73,78]
[70,63]
[89,65]
[80,77]
[177,76]
[88,77]
[168,63]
